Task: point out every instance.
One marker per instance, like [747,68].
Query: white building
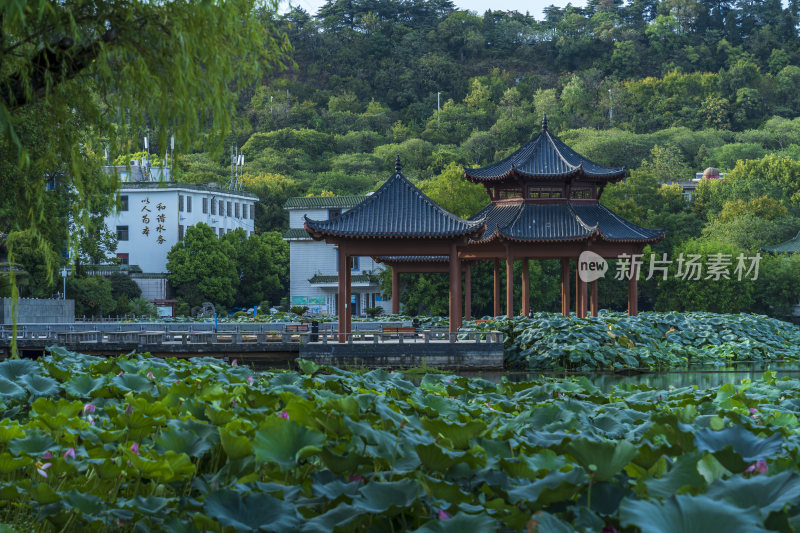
[155,214]
[313,265]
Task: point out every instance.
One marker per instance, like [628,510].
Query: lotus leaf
[250,512]
[10,390]
[688,514]
[285,442]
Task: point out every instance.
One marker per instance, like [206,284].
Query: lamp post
[64,272]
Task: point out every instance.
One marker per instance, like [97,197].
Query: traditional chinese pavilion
[545,204]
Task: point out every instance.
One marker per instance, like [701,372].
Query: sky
[534,7]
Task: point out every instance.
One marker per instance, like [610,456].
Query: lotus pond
[652,340]
[140,443]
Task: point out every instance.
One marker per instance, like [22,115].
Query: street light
[64,272]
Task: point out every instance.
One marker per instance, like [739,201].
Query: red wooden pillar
[633,292]
[526,285]
[565,287]
[395,291]
[348,299]
[455,290]
[468,291]
[496,308]
[509,283]
[341,308]
[595,304]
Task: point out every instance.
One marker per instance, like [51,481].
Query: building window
[244,211]
[180,232]
[221,232]
[123,202]
[205,205]
[123,259]
[505,194]
[353,260]
[180,202]
[582,193]
[213,207]
[188,204]
[236,209]
[332,213]
[221,208]
[122,233]
[252,211]
[544,193]
[229,209]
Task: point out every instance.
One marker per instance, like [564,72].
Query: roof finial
[544,122]
[397,166]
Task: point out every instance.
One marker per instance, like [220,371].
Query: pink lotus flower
[89,408]
[443,515]
[150,375]
[753,410]
[235,362]
[128,409]
[120,373]
[356,477]
[70,453]
[47,455]
[42,467]
[284,414]
[135,448]
[234,403]
[759,467]
[250,380]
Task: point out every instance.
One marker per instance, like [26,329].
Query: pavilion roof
[792,246]
[544,157]
[560,222]
[397,209]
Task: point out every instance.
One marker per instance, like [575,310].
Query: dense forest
[663,87]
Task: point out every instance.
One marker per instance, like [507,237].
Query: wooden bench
[398,331]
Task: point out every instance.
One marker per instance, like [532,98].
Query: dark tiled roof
[322,202]
[560,222]
[613,227]
[358,278]
[792,246]
[547,222]
[296,233]
[544,156]
[413,259]
[497,216]
[396,210]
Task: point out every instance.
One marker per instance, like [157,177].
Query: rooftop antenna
[237,170]
[240,180]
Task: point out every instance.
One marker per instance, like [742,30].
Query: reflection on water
[703,377]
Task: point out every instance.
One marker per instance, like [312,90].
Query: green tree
[452,192]
[262,263]
[713,295]
[123,285]
[202,268]
[92,296]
